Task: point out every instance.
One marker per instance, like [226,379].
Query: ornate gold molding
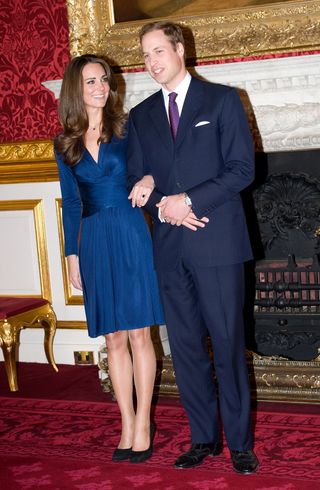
[28,161]
[36,205]
[281,379]
[279,27]
[271,379]
[72,325]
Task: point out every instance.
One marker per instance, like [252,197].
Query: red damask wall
[34,47]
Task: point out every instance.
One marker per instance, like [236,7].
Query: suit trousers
[209,300]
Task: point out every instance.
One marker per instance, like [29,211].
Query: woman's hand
[141,191]
[74,271]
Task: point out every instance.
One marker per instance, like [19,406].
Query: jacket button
[178,185]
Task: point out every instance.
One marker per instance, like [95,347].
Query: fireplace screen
[287,275]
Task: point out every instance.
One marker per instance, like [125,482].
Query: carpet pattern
[57,445]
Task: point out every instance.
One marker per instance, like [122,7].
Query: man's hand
[173,209]
[74,271]
[141,191]
[193,223]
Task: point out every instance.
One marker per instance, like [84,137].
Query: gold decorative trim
[37,206]
[72,325]
[279,379]
[271,379]
[70,298]
[249,31]
[28,161]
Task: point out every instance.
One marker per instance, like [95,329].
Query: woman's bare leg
[121,374]
[144,370]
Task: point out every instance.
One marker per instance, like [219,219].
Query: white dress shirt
[181,91]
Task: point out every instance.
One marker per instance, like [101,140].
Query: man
[199,165]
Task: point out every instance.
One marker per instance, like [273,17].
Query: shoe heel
[141,456]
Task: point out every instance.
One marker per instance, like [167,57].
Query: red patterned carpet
[67,445]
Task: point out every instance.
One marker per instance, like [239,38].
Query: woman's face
[95,86]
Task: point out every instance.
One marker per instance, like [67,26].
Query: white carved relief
[282,101]
[289,117]
[284,94]
[289,126]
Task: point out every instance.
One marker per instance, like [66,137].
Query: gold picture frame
[35,205]
[281,27]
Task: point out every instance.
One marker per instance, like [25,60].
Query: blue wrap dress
[112,240]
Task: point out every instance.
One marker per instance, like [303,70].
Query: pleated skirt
[120,286]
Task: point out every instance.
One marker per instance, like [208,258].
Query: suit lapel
[190,108]
[160,120]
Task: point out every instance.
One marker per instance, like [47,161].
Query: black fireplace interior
[283,284]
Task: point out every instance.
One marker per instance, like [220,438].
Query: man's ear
[180,49]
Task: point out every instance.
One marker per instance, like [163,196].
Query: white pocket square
[202,123]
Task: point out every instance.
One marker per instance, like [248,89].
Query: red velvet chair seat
[14,306]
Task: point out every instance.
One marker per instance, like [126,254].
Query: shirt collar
[181,89]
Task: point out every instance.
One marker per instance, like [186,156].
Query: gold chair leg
[49,324]
[8,337]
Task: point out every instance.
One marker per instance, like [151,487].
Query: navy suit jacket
[212,162]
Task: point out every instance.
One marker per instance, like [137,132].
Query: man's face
[165,64]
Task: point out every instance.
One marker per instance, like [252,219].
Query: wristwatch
[187,200]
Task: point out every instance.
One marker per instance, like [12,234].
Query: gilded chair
[19,313]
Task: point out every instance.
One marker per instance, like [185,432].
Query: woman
[115,267]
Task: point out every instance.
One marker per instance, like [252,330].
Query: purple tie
[173,114]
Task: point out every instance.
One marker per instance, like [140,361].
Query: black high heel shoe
[141,456]
[121,454]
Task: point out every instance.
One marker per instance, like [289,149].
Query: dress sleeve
[71,206]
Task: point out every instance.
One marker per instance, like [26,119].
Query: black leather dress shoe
[121,454]
[244,461]
[196,454]
[141,456]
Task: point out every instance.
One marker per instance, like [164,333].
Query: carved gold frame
[36,205]
[248,31]
[27,161]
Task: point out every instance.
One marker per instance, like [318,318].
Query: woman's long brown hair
[73,115]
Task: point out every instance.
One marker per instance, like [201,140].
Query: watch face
[187,200]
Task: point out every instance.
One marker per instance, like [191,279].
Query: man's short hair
[171,30]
